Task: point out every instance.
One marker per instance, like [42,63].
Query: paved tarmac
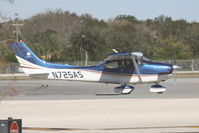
[49,106]
[60,90]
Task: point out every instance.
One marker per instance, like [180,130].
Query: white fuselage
[89,75]
[99,76]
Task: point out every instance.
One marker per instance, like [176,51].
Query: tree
[172,49]
[47,44]
[57,36]
[130,18]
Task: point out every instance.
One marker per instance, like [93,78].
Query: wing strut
[136,68]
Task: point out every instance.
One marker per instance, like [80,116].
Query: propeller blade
[175,77]
[174,72]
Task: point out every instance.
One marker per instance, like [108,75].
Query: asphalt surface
[56,106]
[60,90]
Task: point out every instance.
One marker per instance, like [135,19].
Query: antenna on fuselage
[114,50]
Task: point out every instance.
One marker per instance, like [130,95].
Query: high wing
[124,56]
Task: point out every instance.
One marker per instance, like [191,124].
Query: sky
[107,9]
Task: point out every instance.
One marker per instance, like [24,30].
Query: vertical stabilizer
[28,61]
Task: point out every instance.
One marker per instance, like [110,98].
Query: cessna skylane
[126,69]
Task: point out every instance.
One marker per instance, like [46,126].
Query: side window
[120,66]
[128,66]
[137,61]
[111,65]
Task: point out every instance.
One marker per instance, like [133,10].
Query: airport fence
[187,65]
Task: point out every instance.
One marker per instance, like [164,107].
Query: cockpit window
[111,65]
[143,60]
[120,66]
[146,59]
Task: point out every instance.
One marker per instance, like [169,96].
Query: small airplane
[126,69]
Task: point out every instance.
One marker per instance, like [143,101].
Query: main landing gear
[124,89]
[157,88]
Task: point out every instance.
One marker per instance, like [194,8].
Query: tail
[29,62]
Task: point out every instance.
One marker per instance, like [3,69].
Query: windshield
[144,60]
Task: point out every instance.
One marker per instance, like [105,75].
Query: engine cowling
[124,89]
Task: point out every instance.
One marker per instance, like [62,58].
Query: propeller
[174,71]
